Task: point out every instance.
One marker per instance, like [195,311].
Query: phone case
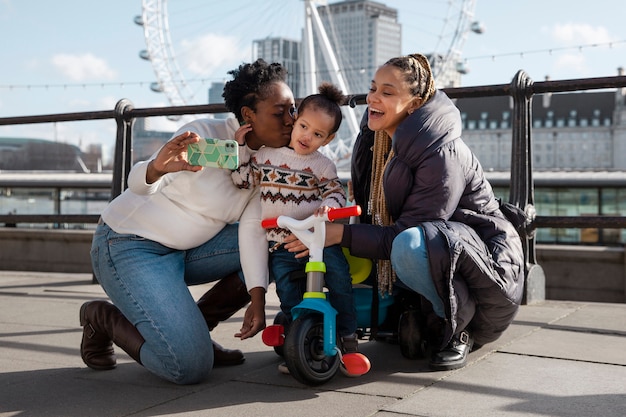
[219,153]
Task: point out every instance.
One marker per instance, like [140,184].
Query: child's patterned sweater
[290,184]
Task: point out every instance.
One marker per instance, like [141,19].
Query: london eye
[172,33]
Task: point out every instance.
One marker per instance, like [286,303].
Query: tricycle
[309,346]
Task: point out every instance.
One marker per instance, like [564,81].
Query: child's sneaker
[349,344]
[282,368]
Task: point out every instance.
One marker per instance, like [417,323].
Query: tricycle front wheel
[304,351]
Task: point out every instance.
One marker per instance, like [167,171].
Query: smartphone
[218,153]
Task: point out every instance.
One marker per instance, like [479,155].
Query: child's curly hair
[250,84]
[329,99]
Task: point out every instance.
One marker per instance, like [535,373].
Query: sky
[78,55]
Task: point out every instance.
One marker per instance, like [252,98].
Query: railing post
[123,147]
[522,185]
[123,151]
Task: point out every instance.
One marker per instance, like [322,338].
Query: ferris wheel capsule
[462,68]
[156,87]
[477,27]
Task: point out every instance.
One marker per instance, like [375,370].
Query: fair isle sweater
[291,184]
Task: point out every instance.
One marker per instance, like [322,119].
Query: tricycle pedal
[355,364]
[274,335]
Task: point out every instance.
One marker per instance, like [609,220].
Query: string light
[549,51]
[123,84]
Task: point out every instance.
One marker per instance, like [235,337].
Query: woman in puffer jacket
[436,227]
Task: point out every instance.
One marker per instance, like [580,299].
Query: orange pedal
[274,335]
[356,363]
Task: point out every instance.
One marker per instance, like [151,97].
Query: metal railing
[521,89]
[57,183]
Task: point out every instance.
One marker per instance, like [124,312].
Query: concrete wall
[575,273]
[45,250]
[584,273]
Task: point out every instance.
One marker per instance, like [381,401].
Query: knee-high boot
[104,324]
[223,300]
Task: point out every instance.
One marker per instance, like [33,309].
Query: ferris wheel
[169,35]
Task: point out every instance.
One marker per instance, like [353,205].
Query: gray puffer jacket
[435,181]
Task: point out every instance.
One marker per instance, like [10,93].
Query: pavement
[556,359]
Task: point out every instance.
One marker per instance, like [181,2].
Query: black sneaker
[349,344]
[454,355]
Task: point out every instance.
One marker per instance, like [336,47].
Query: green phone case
[219,153]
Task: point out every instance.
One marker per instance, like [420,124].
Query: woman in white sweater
[178,225]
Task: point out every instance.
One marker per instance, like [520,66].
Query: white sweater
[185,209]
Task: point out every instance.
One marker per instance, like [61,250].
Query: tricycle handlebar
[331,215]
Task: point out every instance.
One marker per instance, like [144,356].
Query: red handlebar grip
[340,213]
[270,223]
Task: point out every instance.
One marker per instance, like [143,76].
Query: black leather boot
[223,300]
[104,324]
[454,355]
[226,357]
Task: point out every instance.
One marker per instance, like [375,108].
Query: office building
[580,131]
[285,51]
[364,34]
[215,97]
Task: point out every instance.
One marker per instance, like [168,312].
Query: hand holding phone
[218,153]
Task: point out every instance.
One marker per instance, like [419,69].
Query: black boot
[223,300]
[104,324]
[411,334]
[454,355]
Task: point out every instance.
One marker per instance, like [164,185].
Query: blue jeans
[290,287]
[148,283]
[409,258]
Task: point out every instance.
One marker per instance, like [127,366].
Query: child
[297,181]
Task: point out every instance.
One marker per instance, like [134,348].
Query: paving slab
[577,346]
[522,386]
[241,399]
[558,358]
[596,318]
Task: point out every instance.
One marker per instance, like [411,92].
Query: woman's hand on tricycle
[292,244]
[334,233]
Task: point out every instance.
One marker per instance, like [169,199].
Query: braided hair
[250,84]
[417,74]
[329,99]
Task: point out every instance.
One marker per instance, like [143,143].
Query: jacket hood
[437,122]
[431,126]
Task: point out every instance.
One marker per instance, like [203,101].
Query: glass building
[364,35]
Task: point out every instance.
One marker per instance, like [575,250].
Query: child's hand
[350,191]
[240,134]
[322,210]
